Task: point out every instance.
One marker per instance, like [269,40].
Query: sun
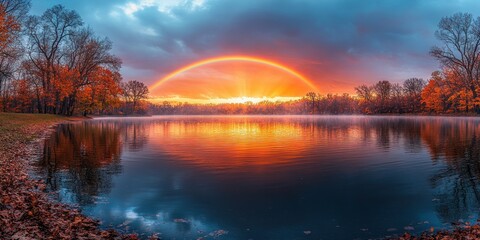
[232,79]
[245,99]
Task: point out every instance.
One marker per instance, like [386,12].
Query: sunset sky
[336,45]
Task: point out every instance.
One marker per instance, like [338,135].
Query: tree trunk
[474,96]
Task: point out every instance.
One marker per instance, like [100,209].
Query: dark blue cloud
[346,41]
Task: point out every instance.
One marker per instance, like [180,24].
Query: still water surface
[268,177]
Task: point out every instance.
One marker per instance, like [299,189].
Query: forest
[55,64]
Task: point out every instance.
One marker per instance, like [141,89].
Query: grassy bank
[26,211]
[22,127]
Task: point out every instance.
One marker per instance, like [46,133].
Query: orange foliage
[8,26]
[23,96]
[435,95]
[446,93]
[102,92]
[63,83]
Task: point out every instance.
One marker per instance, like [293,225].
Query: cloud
[337,44]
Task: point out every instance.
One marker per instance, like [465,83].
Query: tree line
[55,64]
[311,103]
[454,89]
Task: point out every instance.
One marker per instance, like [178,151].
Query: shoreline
[27,211]
[280,115]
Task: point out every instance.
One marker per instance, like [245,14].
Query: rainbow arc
[233,58]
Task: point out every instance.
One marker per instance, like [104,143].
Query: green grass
[27,118]
[19,127]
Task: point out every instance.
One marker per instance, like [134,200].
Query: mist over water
[268,177]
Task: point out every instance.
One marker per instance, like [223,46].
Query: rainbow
[233,58]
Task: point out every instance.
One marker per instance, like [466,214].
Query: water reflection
[455,143]
[269,177]
[80,159]
[277,140]
[135,135]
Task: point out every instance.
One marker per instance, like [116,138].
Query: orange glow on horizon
[246,136]
[221,94]
[239,100]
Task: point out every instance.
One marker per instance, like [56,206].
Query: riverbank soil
[26,211]
[464,231]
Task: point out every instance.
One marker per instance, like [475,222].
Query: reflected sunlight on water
[264,177]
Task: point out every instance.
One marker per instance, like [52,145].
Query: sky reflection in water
[261,177]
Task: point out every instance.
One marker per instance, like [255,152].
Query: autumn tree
[460,52]
[101,96]
[87,56]
[437,94]
[12,13]
[63,61]
[47,40]
[8,27]
[107,87]
[134,92]
[22,96]
[16,8]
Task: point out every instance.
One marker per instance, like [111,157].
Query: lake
[268,177]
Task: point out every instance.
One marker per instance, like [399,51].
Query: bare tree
[84,54]
[413,88]
[17,8]
[365,92]
[397,98]
[311,99]
[134,92]
[460,35]
[47,37]
[383,90]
